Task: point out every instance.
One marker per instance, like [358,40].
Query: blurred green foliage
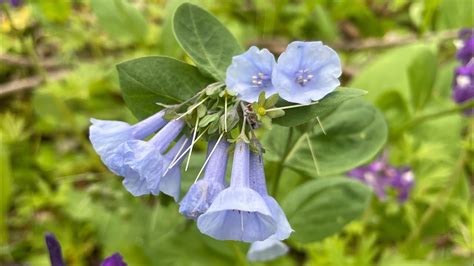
[51,179]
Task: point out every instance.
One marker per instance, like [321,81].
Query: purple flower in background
[381,176]
[258,183]
[463,89]
[202,193]
[238,212]
[114,260]
[267,249]
[466,50]
[54,249]
[306,71]
[250,73]
[14,3]
[106,135]
[143,163]
[56,256]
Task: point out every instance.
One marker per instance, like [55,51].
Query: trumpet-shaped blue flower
[142,163]
[106,135]
[306,71]
[238,212]
[267,249]
[114,260]
[257,183]
[250,73]
[202,193]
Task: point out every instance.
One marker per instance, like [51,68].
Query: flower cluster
[463,85]
[381,177]
[145,156]
[56,255]
[305,72]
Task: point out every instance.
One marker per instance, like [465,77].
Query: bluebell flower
[381,177]
[238,212]
[202,193]
[106,135]
[54,249]
[250,73]
[267,249]
[466,48]
[142,163]
[257,183]
[114,260]
[56,255]
[306,71]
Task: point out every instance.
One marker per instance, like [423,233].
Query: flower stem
[423,118]
[279,170]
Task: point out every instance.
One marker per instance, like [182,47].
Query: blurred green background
[57,69]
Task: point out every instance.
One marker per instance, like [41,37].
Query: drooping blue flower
[106,135]
[202,193]
[381,177]
[306,71]
[466,50]
[56,256]
[266,250]
[250,73]
[114,260]
[54,249]
[142,163]
[238,212]
[258,183]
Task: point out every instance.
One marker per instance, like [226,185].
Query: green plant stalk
[423,118]
[280,167]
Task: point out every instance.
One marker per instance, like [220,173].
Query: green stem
[279,170]
[420,119]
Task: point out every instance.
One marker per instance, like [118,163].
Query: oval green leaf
[323,207]
[297,116]
[210,45]
[148,80]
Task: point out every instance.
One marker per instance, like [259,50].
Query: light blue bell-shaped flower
[266,250]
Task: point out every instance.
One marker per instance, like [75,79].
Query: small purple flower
[114,260]
[258,183]
[106,135]
[54,249]
[466,50]
[13,3]
[266,250]
[306,71]
[381,176]
[250,73]
[56,256]
[202,193]
[143,163]
[463,89]
[238,212]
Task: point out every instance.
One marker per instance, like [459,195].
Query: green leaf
[121,20]
[5,190]
[205,39]
[355,132]
[297,116]
[455,14]
[148,80]
[322,207]
[421,77]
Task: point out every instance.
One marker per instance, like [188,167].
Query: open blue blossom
[238,212]
[202,193]
[306,71]
[381,176]
[250,73]
[142,163]
[106,135]
[56,256]
[257,183]
[266,250]
[466,48]
[463,88]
